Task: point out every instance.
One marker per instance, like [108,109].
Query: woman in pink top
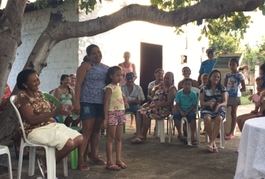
[127,66]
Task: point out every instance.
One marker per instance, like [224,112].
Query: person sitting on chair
[159,108]
[133,93]
[38,118]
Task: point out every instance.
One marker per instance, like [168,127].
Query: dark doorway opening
[151,59]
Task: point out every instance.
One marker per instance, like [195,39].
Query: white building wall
[63,58]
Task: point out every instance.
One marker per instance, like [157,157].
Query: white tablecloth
[251,157]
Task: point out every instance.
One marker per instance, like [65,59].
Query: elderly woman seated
[159,108]
[38,118]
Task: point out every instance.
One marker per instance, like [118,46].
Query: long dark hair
[62,78]
[111,71]
[23,76]
[218,86]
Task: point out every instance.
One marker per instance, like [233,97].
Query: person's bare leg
[216,129]
[242,118]
[146,124]
[76,122]
[118,144]
[111,130]
[94,138]
[208,125]
[86,132]
[193,129]
[67,148]
[233,120]
[178,126]
[132,123]
[139,123]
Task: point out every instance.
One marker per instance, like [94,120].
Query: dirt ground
[158,160]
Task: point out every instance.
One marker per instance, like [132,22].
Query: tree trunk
[58,30]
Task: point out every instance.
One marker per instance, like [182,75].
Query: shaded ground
[156,160]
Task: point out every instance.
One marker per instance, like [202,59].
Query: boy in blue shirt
[186,101]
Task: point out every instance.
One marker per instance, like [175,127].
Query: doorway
[151,59]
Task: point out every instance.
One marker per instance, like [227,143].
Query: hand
[217,107]
[211,103]
[127,106]
[62,110]
[250,98]
[183,114]
[105,123]
[76,108]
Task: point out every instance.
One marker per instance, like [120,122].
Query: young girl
[204,80]
[65,94]
[256,98]
[235,84]
[114,112]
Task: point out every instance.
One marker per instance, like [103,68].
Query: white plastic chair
[50,152]
[160,130]
[5,150]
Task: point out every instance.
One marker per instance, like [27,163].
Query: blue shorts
[190,116]
[91,111]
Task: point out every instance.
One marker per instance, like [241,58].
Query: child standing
[114,112]
[186,101]
[235,84]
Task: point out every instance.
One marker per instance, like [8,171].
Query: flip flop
[121,165]
[194,142]
[83,167]
[137,140]
[98,161]
[42,168]
[113,167]
[183,140]
[229,137]
[209,148]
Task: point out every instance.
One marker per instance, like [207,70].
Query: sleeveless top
[66,97]
[116,102]
[125,71]
[93,84]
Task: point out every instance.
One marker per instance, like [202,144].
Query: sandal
[229,137]
[83,167]
[97,161]
[121,165]
[193,142]
[182,139]
[209,148]
[137,140]
[113,167]
[42,168]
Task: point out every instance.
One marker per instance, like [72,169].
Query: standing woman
[207,65]
[213,100]
[89,99]
[127,67]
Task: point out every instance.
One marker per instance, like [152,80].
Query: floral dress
[160,96]
[213,95]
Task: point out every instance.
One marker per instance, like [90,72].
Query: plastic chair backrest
[48,97]
[197,91]
[12,100]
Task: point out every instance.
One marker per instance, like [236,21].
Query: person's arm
[56,94]
[225,81]
[80,76]
[170,99]
[73,95]
[224,101]
[203,103]
[243,84]
[27,112]
[108,93]
[134,70]
[195,83]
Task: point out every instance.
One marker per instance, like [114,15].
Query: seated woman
[186,74]
[65,94]
[213,100]
[38,118]
[159,73]
[159,108]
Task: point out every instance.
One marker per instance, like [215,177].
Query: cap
[130,75]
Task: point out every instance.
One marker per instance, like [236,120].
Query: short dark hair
[209,50]
[89,48]
[186,79]
[233,60]
[23,76]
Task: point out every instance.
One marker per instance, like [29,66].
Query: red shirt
[7,94]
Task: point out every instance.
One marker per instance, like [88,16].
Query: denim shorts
[190,116]
[91,111]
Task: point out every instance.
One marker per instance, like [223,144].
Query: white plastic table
[251,157]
